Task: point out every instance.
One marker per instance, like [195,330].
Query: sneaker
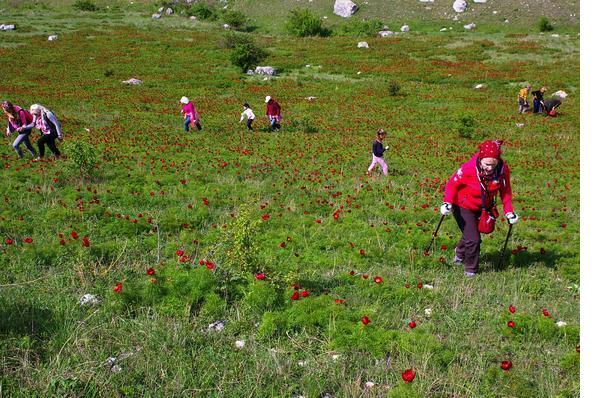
[457,260]
[469,274]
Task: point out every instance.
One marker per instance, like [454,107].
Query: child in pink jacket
[189,114]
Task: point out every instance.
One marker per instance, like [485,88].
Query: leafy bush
[82,159]
[247,56]
[360,28]
[465,125]
[304,125]
[85,5]
[235,19]
[302,23]
[235,39]
[201,11]
[394,88]
[544,25]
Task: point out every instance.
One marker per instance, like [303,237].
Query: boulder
[156,16]
[470,26]
[560,94]
[363,44]
[169,11]
[386,33]
[7,27]
[344,8]
[52,37]
[478,86]
[226,26]
[460,5]
[265,70]
[133,80]
[404,28]
[479,1]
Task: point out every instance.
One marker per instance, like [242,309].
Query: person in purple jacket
[45,121]
[18,117]
[378,150]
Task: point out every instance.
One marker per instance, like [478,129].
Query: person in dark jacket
[538,100]
[378,150]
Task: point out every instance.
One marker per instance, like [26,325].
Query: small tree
[544,25]
[302,22]
[235,19]
[247,56]
[201,11]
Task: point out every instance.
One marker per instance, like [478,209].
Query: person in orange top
[523,103]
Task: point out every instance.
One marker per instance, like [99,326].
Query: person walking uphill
[18,117]
[249,114]
[470,195]
[190,115]
[45,121]
[378,151]
[273,113]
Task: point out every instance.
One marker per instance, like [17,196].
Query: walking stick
[504,248]
[435,234]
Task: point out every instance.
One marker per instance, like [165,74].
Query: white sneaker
[469,274]
[457,260]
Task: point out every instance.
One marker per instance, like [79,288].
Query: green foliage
[358,28]
[82,159]
[464,125]
[201,11]
[247,56]
[235,39]
[85,5]
[235,19]
[544,25]
[305,125]
[393,88]
[303,22]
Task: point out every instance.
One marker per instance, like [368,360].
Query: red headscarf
[490,149]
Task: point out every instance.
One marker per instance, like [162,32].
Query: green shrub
[235,19]
[394,88]
[465,126]
[544,25]
[82,159]
[201,11]
[360,28]
[85,5]
[247,56]
[302,22]
[235,39]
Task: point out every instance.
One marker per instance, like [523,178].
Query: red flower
[210,265]
[351,272]
[365,276]
[426,253]
[296,295]
[365,320]
[577,348]
[150,271]
[282,245]
[260,276]
[444,247]
[118,287]
[408,375]
[9,241]
[512,309]
[407,285]
[55,180]
[542,251]
[442,260]
[179,252]
[514,251]
[318,221]
[362,252]
[545,312]
[420,286]
[340,301]
[85,241]
[74,235]
[506,365]
[305,293]
[378,279]
[265,216]
[202,262]
[183,182]
[28,240]
[412,324]
[205,201]
[510,324]
[296,286]
[62,242]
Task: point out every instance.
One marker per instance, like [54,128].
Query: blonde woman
[45,121]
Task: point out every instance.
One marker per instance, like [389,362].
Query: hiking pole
[504,248]
[435,234]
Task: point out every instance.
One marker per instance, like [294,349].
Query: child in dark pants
[45,121]
[249,114]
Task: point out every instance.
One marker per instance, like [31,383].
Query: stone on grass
[363,44]
[344,8]
[404,28]
[89,299]
[7,27]
[369,384]
[169,11]
[478,86]
[561,324]
[134,81]
[156,16]
[520,125]
[217,326]
[310,98]
[239,344]
[470,26]
[459,5]
[52,37]
[193,18]
[560,94]
[386,33]
[265,70]
[226,26]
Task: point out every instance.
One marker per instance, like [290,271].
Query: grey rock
[459,5]
[363,44]
[344,8]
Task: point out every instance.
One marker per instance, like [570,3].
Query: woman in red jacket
[472,188]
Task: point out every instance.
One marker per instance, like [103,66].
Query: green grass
[190,185]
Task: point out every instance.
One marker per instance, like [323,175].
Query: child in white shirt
[249,114]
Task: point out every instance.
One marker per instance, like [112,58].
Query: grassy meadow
[174,231]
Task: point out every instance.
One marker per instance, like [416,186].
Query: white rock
[7,27]
[240,344]
[443,30]
[226,26]
[427,286]
[133,80]
[302,363]
[193,18]
[266,78]
[265,70]
[155,16]
[335,357]
[169,11]
[89,299]
[555,35]
[358,73]
[520,125]
[363,44]
[386,33]
[369,384]
[428,311]
[560,94]
[479,1]
[344,8]
[311,98]
[478,86]
[561,324]
[308,65]
[217,326]
[459,5]
[161,9]
[404,28]
[52,37]
[494,12]
[506,21]
[470,26]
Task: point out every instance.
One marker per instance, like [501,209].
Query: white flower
[335,357]
[240,344]
[560,324]
[428,286]
[301,363]
[428,311]
[369,384]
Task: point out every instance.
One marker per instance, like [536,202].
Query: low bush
[360,28]
[544,25]
[85,5]
[201,11]
[247,56]
[235,19]
[303,22]
[235,39]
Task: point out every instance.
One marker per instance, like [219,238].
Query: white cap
[184,100]
[267,98]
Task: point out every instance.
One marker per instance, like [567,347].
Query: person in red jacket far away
[473,187]
[273,113]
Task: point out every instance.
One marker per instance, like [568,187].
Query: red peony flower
[318,221]
[150,271]
[365,320]
[412,324]
[351,272]
[426,253]
[365,276]
[362,252]
[512,309]
[305,293]
[282,245]
[153,280]
[179,252]
[205,201]
[28,240]
[85,242]
[265,216]
[118,287]
[62,242]
[296,295]
[8,241]
[339,301]
[419,285]
[510,324]
[444,247]
[210,265]
[74,235]
[545,312]
[407,285]
[378,279]
[260,276]
[408,375]
[506,365]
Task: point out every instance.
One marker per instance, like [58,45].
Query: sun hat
[267,98]
[184,100]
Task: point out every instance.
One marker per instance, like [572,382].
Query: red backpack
[28,116]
